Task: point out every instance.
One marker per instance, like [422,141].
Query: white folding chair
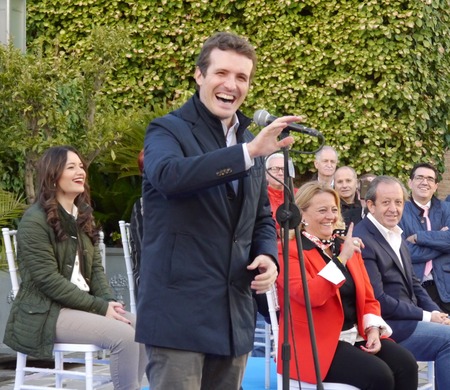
[426,375]
[102,248]
[264,338]
[59,349]
[267,336]
[125,235]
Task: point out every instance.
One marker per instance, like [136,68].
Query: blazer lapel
[387,248]
[408,266]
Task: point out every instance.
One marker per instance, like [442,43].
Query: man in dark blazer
[415,319]
[209,237]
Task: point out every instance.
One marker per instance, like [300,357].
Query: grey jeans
[128,358]
[184,370]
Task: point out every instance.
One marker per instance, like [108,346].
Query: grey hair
[272,156]
[372,190]
[326,147]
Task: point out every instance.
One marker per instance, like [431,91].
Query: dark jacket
[401,296]
[45,267]
[351,212]
[199,236]
[431,245]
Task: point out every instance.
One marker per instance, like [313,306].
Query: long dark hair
[49,170]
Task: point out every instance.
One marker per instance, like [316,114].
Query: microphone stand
[288,216]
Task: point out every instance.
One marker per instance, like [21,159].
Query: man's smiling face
[225,84]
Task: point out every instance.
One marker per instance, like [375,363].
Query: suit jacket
[199,235]
[326,305]
[401,296]
[434,244]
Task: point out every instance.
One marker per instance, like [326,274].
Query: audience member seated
[352,338]
[136,225]
[326,161]
[416,320]
[345,184]
[275,183]
[363,184]
[425,224]
[64,296]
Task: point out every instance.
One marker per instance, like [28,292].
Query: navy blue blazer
[194,292]
[401,296]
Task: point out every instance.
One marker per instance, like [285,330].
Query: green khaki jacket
[45,268]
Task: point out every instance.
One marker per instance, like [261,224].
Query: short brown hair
[225,41]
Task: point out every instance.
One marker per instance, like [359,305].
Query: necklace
[322,244]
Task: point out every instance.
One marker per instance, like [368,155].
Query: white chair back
[125,235]
[102,248]
[59,349]
[10,251]
[272,301]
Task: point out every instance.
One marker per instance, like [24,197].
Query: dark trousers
[434,295]
[394,367]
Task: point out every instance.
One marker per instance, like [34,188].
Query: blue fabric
[431,341]
[434,244]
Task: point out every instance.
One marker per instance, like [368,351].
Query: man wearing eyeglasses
[275,183]
[425,224]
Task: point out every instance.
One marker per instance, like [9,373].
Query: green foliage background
[372,76]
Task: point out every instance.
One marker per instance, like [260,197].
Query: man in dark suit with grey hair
[415,319]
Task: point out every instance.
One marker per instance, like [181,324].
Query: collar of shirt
[230,133]
[393,236]
[384,230]
[422,206]
[74,212]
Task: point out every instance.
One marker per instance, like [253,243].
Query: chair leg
[59,365]
[89,358]
[20,373]
[267,350]
[430,371]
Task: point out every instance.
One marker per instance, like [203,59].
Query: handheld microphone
[263,118]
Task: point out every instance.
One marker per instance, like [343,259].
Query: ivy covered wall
[372,76]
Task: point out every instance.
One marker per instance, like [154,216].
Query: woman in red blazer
[351,336]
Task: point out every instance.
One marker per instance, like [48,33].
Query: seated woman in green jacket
[64,294]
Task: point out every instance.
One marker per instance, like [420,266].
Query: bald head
[345,183]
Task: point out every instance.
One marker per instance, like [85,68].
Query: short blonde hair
[307,192]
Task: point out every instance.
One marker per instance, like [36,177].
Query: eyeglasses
[429,179]
[275,169]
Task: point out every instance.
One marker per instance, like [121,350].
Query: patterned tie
[429,263]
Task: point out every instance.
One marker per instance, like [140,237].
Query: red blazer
[327,312]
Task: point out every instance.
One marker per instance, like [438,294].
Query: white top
[77,278]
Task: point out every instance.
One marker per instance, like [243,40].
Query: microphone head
[261,117]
